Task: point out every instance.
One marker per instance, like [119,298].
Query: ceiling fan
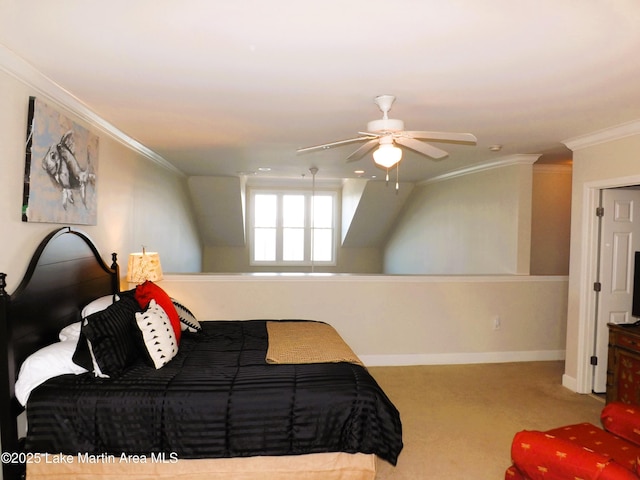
[389,132]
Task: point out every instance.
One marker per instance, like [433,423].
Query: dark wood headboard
[65,273]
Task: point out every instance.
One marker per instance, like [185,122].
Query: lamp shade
[144,266]
[387,155]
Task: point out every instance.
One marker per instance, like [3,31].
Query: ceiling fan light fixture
[387,155]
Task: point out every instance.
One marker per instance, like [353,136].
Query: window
[293,227]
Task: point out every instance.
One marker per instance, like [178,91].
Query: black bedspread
[217,398]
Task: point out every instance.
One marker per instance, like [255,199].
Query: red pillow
[150,291]
[622,420]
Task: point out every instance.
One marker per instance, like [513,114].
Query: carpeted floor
[458,420]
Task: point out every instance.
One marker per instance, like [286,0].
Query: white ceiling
[220,87]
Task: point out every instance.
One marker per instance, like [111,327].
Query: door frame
[589,266]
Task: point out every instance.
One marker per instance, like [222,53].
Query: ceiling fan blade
[421,147]
[442,136]
[333,144]
[363,150]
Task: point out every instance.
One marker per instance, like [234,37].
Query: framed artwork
[61,165]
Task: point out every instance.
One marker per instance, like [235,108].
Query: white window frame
[280,192]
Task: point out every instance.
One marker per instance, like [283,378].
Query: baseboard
[570,382]
[460,358]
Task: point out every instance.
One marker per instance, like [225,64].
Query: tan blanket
[307,342]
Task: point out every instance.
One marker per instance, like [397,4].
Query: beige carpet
[458,420]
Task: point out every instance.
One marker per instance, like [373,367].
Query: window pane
[293,244]
[293,210]
[264,244]
[265,210]
[283,231]
[322,245]
[323,211]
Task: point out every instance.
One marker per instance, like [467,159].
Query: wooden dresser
[623,364]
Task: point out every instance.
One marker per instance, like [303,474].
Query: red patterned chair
[582,451]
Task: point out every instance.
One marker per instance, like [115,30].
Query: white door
[619,239]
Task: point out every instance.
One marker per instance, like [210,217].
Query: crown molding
[601,136]
[25,73]
[520,159]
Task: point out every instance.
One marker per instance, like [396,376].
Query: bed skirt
[316,466]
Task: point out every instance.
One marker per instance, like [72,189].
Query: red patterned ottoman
[582,451]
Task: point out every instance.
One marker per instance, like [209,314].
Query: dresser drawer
[628,341]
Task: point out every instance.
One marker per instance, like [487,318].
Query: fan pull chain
[387,178]
[397,177]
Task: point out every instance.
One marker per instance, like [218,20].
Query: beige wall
[392,320]
[550,220]
[139,201]
[596,165]
[478,223]
[236,260]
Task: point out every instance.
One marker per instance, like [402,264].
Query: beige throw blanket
[307,342]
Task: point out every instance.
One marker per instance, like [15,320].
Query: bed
[226,406]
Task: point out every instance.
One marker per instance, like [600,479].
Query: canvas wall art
[61,168]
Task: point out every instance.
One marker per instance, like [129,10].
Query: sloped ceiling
[369,211]
[218,205]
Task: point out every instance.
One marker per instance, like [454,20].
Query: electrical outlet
[497,323]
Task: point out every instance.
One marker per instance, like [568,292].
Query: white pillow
[98,305]
[70,333]
[48,362]
[188,320]
[157,334]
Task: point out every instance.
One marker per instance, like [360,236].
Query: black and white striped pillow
[109,336]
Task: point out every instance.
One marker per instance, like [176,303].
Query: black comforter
[217,398]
